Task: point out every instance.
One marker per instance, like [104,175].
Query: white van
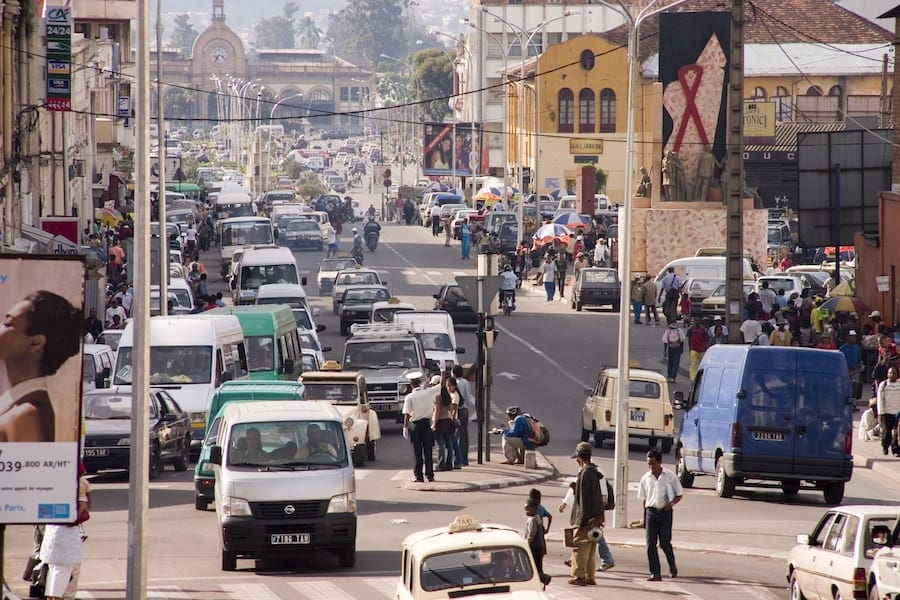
[435,331]
[260,266]
[239,232]
[97,361]
[284,482]
[292,294]
[709,267]
[190,356]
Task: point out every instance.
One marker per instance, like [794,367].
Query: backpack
[609,494]
[540,436]
[673,338]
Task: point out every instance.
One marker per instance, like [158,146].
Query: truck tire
[370,449]
[790,488]
[666,445]
[200,503]
[598,439]
[834,492]
[156,464]
[229,561]
[359,455]
[724,483]
[181,462]
[685,477]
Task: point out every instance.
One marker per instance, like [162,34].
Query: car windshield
[475,567]
[337,264]
[357,279]
[253,277]
[599,276]
[110,337]
[720,291]
[439,342]
[241,233]
[308,340]
[780,283]
[303,225]
[380,355]
[365,295]
[169,364]
[110,406]
[336,393]
[774,235]
[704,286]
[301,316]
[260,353]
[287,445]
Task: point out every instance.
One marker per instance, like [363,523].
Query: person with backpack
[668,294]
[517,438]
[673,346]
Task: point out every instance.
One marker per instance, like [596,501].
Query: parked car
[596,286]
[107,420]
[458,218]
[97,362]
[715,303]
[884,573]
[451,299]
[795,283]
[699,289]
[833,560]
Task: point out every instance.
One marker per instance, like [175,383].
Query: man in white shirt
[435,220]
[601,254]
[115,308]
[418,408]
[751,329]
[125,297]
[888,405]
[190,237]
[767,297]
[659,490]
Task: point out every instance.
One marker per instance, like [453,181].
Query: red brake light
[859,583]
[737,437]
[848,443]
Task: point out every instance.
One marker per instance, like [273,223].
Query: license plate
[96,451]
[768,436]
[637,415]
[279,539]
[462,302]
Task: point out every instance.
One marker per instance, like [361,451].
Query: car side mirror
[326,348]
[588,392]
[215,455]
[803,539]
[320,328]
[303,281]
[678,400]
[460,350]
[436,296]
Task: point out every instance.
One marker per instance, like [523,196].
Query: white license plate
[768,436]
[462,302]
[637,415]
[96,451]
[289,538]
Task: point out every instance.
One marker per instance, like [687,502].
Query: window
[607,111]
[814,91]
[783,104]
[758,94]
[345,94]
[586,111]
[566,120]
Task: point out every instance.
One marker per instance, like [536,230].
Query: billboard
[693,60]
[450,149]
[58,21]
[40,387]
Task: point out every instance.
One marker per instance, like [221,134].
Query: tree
[276,32]
[184,35]
[309,34]
[434,74]
[369,28]
[178,103]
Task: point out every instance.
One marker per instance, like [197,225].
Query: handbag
[569,537]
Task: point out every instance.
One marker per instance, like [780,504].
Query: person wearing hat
[853,354]
[718,332]
[673,346]
[648,299]
[781,336]
[581,262]
[515,440]
[418,408]
[587,513]
[660,491]
[826,341]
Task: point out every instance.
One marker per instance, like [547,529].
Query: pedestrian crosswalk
[622,585]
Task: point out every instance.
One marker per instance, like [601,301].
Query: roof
[279,290]
[265,256]
[317,376]
[773,22]
[786,136]
[440,538]
[256,390]
[638,374]
[278,410]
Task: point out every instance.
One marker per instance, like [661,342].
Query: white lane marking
[385,585]
[758,592]
[400,476]
[433,272]
[167,592]
[320,590]
[667,588]
[461,273]
[257,591]
[564,594]
[540,353]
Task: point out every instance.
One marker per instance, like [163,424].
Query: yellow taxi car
[468,558]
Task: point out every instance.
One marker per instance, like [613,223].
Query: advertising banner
[450,149]
[59,58]
[40,387]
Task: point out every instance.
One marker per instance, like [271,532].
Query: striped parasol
[549,233]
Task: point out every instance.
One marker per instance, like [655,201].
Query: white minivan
[708,267]
[260,266]
[284,482]
[436,333]
[96,366]
[190,356]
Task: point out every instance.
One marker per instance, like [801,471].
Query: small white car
[884,574]
[468,559]
[329,269]
[350,277]
[833,560]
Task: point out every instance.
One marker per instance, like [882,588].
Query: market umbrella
[845,304]
[437,186]
[108,216]
[555,194]
[549,233]
[572,221]
[844,288]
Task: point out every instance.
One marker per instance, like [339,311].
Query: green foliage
[370,28]
[310,187]
[184,35]
[600,177]
[276,32]
[189,168]
[308,33]
[434,73]
[178,103]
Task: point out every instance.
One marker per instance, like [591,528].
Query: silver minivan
[284,482]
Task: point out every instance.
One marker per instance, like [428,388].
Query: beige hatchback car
[650,413]
[833,561]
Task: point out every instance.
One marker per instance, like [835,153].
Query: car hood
[389,375]
[439,355]
[365,307]
[269,486]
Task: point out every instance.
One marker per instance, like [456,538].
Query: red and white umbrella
[549,233]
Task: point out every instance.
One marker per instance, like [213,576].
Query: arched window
[759,94]
[587,121]
[835,91]
[566,121]
[607,111]
[783,104]
[781,92]
[814,91]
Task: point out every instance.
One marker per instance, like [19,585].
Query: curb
[695,547]
[546,471]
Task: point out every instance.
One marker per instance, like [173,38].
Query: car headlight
[404,389]
[342,503]
[236,507]
[125,441]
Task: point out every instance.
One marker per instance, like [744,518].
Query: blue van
[768,414]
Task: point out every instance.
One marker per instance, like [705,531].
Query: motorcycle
[357,254]
[372,240]
[507,304]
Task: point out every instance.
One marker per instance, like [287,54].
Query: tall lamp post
[524,39]
[634,14]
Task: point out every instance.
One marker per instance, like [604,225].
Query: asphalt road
[545,356]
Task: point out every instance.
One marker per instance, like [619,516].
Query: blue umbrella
[555,194]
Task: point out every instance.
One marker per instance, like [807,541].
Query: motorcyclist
[508,283]
[371,211]
[371,226]
[348,208]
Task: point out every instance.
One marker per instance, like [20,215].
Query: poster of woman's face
[448,147]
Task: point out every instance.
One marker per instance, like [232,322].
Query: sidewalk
[487,476]
[868,455]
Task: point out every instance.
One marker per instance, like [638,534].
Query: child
[534,533]
[542,512]
[685,305]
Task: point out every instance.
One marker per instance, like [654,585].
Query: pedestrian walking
[445,406]
[535,535]
[548,276]
[62,552]
[607,561]
[698,342]
[718,333]
[418,408]
[668,293]
[465,239]
[888,406]
[673,346]
[448,231]
[660,491]
[435,220]
[601,254]
[562,264]
[587,513]
[466,402]
[331,240]
[648,297]
[637,294]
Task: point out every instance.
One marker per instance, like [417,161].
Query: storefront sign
[59,58]
[585,146]
[759,120]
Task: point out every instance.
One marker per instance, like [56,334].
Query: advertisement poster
[41,299]
[450,149]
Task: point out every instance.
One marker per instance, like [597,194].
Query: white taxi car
[468,559]
[884,574]
[329,268]
[833,561]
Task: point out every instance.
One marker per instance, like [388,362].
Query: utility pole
[734,242]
